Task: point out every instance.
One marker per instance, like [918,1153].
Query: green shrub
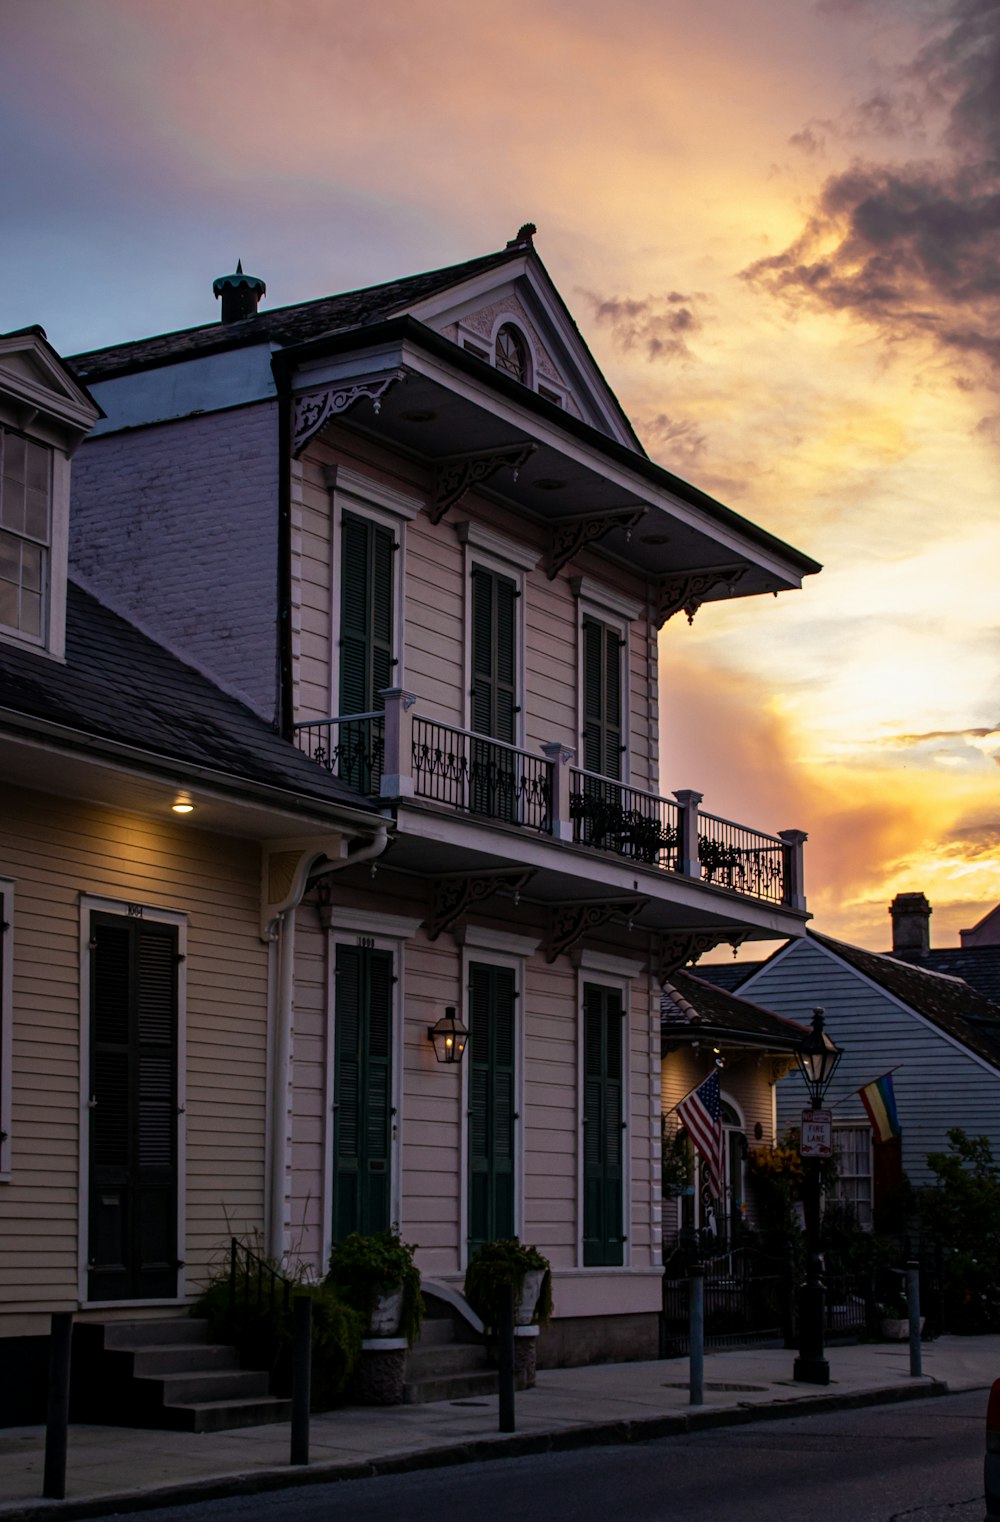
[363,1267]
[499,1264]
[962,1212]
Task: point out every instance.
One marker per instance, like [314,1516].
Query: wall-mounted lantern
[448,1037]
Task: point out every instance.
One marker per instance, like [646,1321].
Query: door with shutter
[492,1082]
[132,1243]
[493,789]
[366,640]
[603,814]
[362,1091]
[603,1126]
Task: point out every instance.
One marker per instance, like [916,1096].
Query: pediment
[562,369]
[37,389]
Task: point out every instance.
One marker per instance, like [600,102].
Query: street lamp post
[817,1058]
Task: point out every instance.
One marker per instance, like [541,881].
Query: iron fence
[744,860]
[611,816]
[351,747]
[477,775]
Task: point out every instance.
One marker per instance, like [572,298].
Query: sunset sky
[777,223]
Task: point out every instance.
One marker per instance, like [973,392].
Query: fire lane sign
[816,1135]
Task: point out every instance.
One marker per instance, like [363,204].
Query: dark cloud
[975,840]
[659,326]
[912,248]
[678,442]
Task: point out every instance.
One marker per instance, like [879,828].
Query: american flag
[701,1115]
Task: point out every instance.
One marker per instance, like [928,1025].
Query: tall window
[25,532]
[366,623]
[511,353]
[602,699]
[492,1077]
[852,1146]
[603,1126]
[362,1084]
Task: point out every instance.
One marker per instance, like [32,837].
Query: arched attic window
[510,353]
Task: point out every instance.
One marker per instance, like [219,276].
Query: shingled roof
[119,688]
[692,1009]
[978,965]
[283,326]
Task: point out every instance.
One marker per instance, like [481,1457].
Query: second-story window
[25,533]
[366,615]
[494,655]
[602,699]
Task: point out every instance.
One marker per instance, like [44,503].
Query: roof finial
[525,234]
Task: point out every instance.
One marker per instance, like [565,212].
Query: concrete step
[146,1334]
[449,1358]
[451,1387]
[197,1388]
[225,1415]
[436,1330]
[184,1358]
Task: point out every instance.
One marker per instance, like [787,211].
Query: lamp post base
[811,1371]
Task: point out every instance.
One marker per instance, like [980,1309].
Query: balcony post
[560,756]
[794,884]
[688,860]
[397,764]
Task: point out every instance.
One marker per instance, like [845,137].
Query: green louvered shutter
[603,1133]
[493,788]
[132,1249]
[366,638]
[362,1091]
[602,699]
[492,999]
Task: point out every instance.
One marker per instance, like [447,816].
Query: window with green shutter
[602,699]
[132,1250]
[490,1057]
[493,779]
[366,641]
[603,1126]
[362,1092]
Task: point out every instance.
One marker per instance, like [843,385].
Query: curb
[476,1451]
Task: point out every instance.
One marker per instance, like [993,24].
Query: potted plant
[377,1276]
[894,1317]
[508,1262]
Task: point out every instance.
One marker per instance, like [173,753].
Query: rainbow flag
[880,1102]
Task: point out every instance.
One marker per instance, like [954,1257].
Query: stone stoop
[450,1362]
[165,1374]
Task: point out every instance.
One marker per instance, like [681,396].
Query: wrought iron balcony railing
[394,754]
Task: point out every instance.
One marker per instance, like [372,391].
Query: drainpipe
[283,936]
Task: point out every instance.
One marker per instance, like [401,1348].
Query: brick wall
[176,528]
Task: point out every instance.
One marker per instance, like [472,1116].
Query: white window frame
[495,948]
[6,1025]
[361,497]
[858,1127]
[91,904]
[379,932]
[55,554]
[599,970]
[504,557]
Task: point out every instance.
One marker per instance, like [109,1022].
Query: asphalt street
[918,1462]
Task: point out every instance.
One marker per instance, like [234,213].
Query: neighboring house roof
[728,975]
[691,1009]
[946,1001]
[288,325]
[978,965]
[119,689]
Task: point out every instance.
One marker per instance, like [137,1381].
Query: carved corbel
[684,946]
[316,409]
[569,923]
[571,535]
[459,473]
[455,895]
[285,873]
[687,589]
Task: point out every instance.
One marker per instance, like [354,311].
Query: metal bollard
[913,1307]
[301,1378]
[57,1413]
[696,1336]
[505,1358]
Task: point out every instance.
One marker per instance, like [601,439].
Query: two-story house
[412,526]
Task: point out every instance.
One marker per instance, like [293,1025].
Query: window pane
[37,472]
[36,515]
[31,613]
[12,505]
[10,558]
[8,604]
[31,567]
[14,458]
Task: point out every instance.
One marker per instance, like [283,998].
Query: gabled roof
[119,692]
[691,1010]
[289,325]
[945,1001]
[978,965]
[727,975]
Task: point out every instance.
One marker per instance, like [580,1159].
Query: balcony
[397,755]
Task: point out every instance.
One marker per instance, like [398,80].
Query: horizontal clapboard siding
[938,1085]
[55,850]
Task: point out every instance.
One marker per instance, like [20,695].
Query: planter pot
[386,1312]
[895,1330]
[525,1308]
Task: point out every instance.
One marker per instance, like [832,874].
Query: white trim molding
[515,554]
[507,942]
[604,599]
[605,962]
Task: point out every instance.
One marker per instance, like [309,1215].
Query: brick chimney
[911,930]
[240,294]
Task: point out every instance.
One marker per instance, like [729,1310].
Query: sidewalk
[120,1469]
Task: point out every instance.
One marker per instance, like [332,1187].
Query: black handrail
[269,1283]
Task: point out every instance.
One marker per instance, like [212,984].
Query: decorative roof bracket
[458,473]
[686,589]
[456,894]
[570,922]
[315,409]
[682,946]
[571,535]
